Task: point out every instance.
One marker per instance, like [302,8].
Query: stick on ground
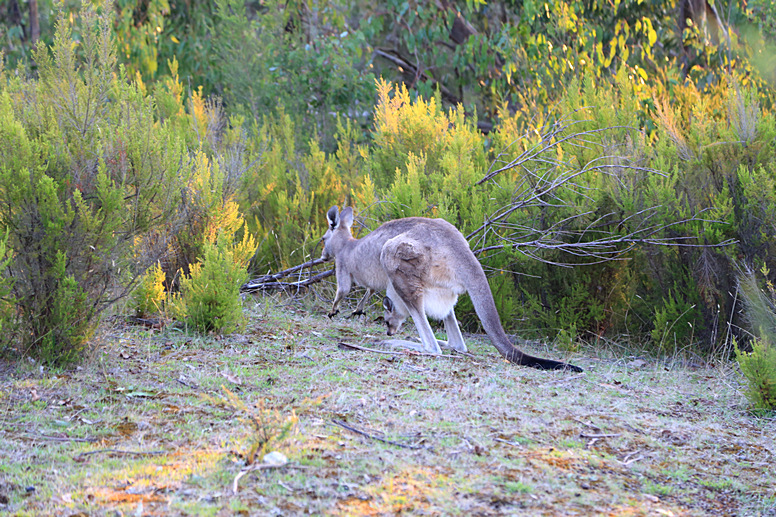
[347,346]
[372,437]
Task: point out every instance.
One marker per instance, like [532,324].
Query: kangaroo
[423,265]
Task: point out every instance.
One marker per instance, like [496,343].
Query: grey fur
[423,265]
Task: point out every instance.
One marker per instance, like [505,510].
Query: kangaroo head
[393,316]
[338,232]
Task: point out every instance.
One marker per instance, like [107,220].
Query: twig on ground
[513,444]
[348,346]
[372,437]
[292,490]
[64,438]
[632,457]
[260,466]
[467,354]
[181,381]
[588,424]
[634,429]
[344,345]
[80,456]
[596,437]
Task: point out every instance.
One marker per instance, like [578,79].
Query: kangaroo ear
[346,217]
[387,304]
[333,217]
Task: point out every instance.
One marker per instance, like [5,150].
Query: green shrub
[7,319]
[759,365]
[148,297]
[84,169]
[210,294]
[65,324]
[270,59]
[759,368]
[673,324]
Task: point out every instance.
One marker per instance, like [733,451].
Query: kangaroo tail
[539,363]
[482,299]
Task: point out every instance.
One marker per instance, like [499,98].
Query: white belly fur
[438,303]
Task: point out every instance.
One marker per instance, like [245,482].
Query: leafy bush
[149,295]
[759,365]
[286,195]
[7,319]
[759,368]
[281,57]
[84,170]
[210,294]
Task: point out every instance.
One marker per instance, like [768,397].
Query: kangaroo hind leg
[454,336]
[407,262]
[396,311]
[428,342]
[360,308]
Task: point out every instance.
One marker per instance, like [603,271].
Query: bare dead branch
[372,437]
[270,282]
[82,455]
[413,70]
[414,353]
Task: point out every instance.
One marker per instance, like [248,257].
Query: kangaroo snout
[393,319]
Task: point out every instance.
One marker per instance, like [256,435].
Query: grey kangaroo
[423,265]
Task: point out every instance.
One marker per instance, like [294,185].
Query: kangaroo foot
[412,345]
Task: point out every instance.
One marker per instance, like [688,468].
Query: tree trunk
[34,22]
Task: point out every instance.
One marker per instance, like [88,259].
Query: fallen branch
[632,457]
[588,424]
[270,282]
[372,437]
[513,444]
[344,345]
[184,383]
[347,346]
[80,456]
[64,438]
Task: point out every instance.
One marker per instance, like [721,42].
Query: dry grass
[144,427]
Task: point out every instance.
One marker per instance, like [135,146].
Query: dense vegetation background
[611,162]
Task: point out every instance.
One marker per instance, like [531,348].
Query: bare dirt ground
[168,423]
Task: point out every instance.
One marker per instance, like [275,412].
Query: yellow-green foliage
[759,368]
[759,365]
[416,137]
[210,294]
[137,42]
[86,168]
[286,195]
[149,295]
[6,299]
